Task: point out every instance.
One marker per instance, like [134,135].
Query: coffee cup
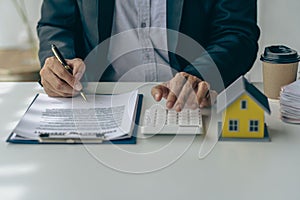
[280,66]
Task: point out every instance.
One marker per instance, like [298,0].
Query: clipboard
[131,140]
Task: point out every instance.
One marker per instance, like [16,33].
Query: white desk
[233,170]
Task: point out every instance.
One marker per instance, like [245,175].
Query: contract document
[102,117]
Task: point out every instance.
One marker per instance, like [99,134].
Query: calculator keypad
[159,120]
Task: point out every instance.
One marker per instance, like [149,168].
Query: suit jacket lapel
[106,14]
[90,16]
[174,14]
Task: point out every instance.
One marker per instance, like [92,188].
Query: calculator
[159,120]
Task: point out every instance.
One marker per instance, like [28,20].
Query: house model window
[233,125]
[253,125]
[244,104]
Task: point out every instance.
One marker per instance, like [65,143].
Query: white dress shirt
[140,25]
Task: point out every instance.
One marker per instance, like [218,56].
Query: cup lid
[280,54]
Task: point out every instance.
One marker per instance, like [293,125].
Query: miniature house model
[242,106]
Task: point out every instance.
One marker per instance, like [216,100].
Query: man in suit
[226,29]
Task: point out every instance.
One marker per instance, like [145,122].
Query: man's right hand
[57,81]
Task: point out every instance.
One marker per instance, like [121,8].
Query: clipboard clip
[71,137]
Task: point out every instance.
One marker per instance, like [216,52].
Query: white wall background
[279,21]
[13,33]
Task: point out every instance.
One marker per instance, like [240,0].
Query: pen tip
[83,96]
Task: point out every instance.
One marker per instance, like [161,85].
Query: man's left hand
[184,90]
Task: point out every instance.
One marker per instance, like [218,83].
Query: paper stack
[290,103]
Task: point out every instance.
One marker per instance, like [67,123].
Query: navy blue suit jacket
[226,29]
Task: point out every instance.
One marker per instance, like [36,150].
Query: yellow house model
[242,106]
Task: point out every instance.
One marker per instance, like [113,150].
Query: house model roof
[238,88]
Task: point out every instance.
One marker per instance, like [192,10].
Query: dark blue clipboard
[131,140]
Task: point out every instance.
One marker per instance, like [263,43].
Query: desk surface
[165,167]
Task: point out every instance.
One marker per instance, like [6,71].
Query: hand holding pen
[59,81]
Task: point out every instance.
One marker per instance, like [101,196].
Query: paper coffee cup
[280,66]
